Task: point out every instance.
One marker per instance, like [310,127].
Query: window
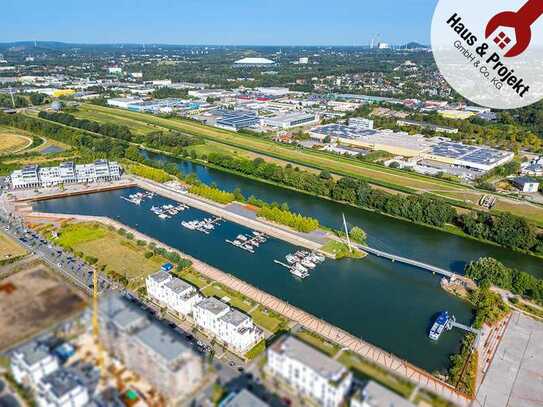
[502,40]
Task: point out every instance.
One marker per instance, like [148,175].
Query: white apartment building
[33,176]
[230,326]
[62,388]
[172,292]
[31,362]
[309,372]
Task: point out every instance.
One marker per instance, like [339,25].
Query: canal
[388,304]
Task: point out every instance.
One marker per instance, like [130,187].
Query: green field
[118,255]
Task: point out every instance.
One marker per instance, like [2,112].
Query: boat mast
[347,233]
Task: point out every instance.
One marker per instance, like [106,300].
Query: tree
[358,235]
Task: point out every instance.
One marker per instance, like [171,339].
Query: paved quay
[515,372]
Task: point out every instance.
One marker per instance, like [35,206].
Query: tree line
[171,141]
[488,271]
[504,228]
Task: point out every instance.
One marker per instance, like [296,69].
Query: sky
[225,22]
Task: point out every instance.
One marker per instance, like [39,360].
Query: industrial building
[526,184]
[149,348]
[236,119]
[33,176]
[429,126]
[309,372]
[439,149]
[289,120]
[123,103]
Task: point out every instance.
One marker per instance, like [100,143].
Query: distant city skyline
[214,22]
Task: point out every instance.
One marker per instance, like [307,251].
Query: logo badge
[488,53]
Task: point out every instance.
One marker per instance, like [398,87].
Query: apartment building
[309,372]
[230,326]
[149,348]
[33,176]
[31,362]
[62,388]
[174,293]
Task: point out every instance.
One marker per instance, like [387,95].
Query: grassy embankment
[457,194]
[10,250]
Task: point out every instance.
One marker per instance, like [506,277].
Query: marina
[249,243]
[301,263]
[168,211]
[138,197]
[206,226]
[343,292]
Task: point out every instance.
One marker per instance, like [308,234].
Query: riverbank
[306,320]
[447,228]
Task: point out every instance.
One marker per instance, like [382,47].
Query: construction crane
[96,323]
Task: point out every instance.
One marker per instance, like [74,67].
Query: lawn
[365,370]
[118,255]
[9,248]
[266,319]
[135,126]
[319,343]
[12,142]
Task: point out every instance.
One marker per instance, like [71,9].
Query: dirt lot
[9,247]
[33,300]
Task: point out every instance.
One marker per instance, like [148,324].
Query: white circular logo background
[480,68]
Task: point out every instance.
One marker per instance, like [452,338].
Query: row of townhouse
[33,176]
[230,326]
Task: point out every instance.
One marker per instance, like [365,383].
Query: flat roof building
[289,120]
[254,62]
[149,348]
[526,184]
[244,398]
[309,372]
[440,149]
[375,395]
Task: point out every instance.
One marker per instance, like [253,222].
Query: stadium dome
[254,61]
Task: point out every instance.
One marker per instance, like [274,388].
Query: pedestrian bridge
[405,260]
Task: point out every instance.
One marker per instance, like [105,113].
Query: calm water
[392,235]
[388,304]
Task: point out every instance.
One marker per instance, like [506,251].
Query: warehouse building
[289,120]
[429,126]
[309,372]
[123,103]
[439,149]
[33,176]
[237,120]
